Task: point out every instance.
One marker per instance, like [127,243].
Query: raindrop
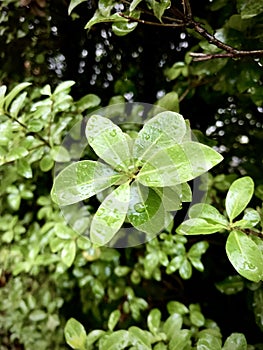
[139,207]
[113,133]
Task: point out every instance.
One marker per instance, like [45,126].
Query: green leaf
[250,8]
[231,285]
[46,163]
[236,341]
[198,249]
[16,153]
[82,180]
[238,196]
[17,104]
[245,256]
[73,4]
[140,338]
[146,212]
[134,4]
[64,86]
[13,93]
[109,142]
[180,340]
[60,154]
[169,101]
[208,341]
[68,253]
[170,196]
[114,319]
[175,307]
[37,315]
[198,226]
[249,220]
[87,102]
[160,7]
[207,212]
[116,341]
[178,164]
[185,269]
[172,325]
[75,334]
[123,28]
[154,320]
[161,131]
[197,318]
[110,215]
[99,18]
[93,336]
[24,168]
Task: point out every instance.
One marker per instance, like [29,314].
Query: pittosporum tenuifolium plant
[146,176]
[244,243]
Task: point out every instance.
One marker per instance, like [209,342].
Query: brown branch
[186,20]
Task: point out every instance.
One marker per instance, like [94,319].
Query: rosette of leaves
[146,176]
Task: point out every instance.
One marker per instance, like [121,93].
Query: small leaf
[73,4]
[198,227]
[154,320]
[208,341]
[46,163]
[185,269]
[87,102]
[99,18]
[169,101]
[198,249]
[17,104]
[180,340]
[160,7]
[231,285]
[37,315]
[249,220]
[109,142]
[139,338]
[197,318]
[64,86]
[134,4]
[249,9]
[93,336]
[123,28]
[116,341]
[68,253]
[207,212]
[178,164]
[24,168]
[236,341]
[110,215]
[175,307]
[146,212]
[238,196]
[245,256]
[172,325]
[60,154]
[13,93]
[16,153]
[82,180]
[114,319]
[75,334]
[161,131]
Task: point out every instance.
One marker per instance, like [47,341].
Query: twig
[172,25]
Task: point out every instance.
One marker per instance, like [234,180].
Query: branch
[172,25]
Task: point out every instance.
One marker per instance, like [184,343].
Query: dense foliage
[197,284]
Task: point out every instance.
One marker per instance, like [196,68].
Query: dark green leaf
[88,101]
[231,285]
[82,180]
[123,28]
[245,256]
[238,196]
[110,215]
[250,8]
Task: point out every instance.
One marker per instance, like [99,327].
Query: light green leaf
[16,153]
[198,226]
[245,256]
[161,131]
[160,7]
[17,104]
[208,341]
[146,211]
[87,102]
[60,154]
[172,325]
[236,341]
[180,340]
[197,318]
[250,8]
[73,4]
[238,196]
[169,101]
[64,86]
[82,180]
[109,142]
[185,269]
[75,334]
[198,249]
[13,93]
[93,336]
[24,168]
[178,164]
[177,307]
[140,338]
[207,212]
[116,341]
[68,253]
[110,215]
[154,320]
[170,197]
[37,315]
[114,319]
[249,220]
[46,163]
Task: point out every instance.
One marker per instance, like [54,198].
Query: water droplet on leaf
[113,133]
[139,207]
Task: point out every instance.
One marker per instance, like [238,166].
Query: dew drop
[147,137]
[113,133]
[139,207]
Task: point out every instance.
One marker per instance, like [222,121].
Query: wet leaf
[75,334]
[236,341]
[198,226]
[207,212]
